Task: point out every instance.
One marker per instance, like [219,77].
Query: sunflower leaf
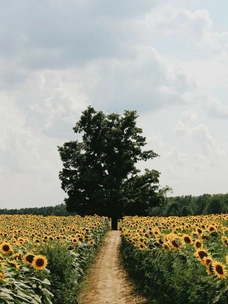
[5,295]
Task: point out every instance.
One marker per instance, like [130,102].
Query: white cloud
[189,116]
[143,83]
[208,143]
[75,34]
[61,111]
[17,151]
[215,108]
[202,136]
[182,129]
[166,60]
[176,158]
[208,151]
[155,141]
[184,23]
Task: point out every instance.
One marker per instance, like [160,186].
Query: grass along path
[107,282]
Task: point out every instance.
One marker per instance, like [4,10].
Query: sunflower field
[178,259]
[43,259]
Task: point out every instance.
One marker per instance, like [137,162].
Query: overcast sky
[167,59]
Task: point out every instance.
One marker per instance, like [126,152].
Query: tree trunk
[114,223]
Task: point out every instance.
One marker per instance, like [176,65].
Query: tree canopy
[99,171]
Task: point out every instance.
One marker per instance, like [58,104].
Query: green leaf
[44,281]
[6,295]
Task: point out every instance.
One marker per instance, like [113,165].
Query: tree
[216,204]
[99,171]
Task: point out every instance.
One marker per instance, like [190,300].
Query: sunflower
[198,244]
[175,243]
[156,231]
[74,240]
[210,269]
[211,228]
[92,242]
[20,241]
[207,261]
[147,235]
[204,237]
[165,246]
[201,254]
[6,247]
[36,241]
[28,258]
[187,239]
[13,240]
[219,270]
[81,239]
[198,230]
[39,262]
[224,240]
[142,246]
[160,241]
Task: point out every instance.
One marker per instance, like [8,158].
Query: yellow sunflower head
[6,247]
[219,269]
[165,246]
[187,239]
[198,244]
[201,254]
[199,230]
[207,261]
[224,241]
[92,243]
[156,231]
[211,228]
[28,258]
[210,269]
[39,262]
[142,246]
[175,243]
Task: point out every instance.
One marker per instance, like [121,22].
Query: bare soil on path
[107,282]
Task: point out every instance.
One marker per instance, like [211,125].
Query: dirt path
[107,283]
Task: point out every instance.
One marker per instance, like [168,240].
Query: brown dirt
[107,282]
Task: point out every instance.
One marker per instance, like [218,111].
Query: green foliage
[59,210]
[192,205]
[172,276]
[67,265]
[99,173]
[25,286]
[63,273]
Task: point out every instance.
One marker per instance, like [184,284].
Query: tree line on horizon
[192,205]
[185,205]
[58,210]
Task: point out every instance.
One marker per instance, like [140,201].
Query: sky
[168,60]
